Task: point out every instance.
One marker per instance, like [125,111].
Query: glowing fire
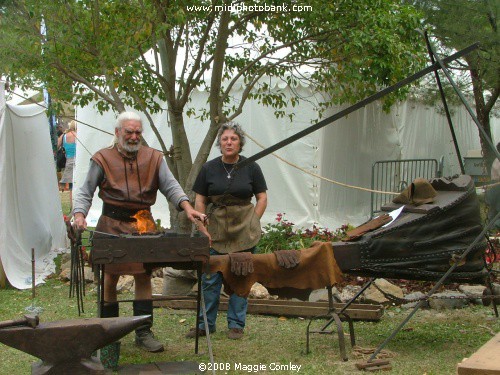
[145,223]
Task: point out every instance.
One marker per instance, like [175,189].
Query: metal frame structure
[437,64]
[396,175]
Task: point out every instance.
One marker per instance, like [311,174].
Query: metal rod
[465,102]
[106,234]
[436,286]
[355,107]
[32,276]
[445,104]
[207,329]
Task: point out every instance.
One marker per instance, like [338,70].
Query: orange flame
[144,223]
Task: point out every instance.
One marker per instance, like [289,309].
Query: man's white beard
[128,147]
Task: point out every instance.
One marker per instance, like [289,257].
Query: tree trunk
[483,116]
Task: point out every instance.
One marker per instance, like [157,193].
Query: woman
[234,222]
[68,141]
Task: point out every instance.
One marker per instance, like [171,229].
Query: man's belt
[120,213]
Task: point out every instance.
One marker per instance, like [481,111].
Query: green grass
[431,343]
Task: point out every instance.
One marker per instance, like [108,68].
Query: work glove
[287,258]
[241,263]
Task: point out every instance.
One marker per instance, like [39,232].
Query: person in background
[68,141]
[234,222]
[129,176]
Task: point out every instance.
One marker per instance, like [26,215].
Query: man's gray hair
[231,125]
[126,116]
[122,117]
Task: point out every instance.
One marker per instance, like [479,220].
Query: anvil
[66,346]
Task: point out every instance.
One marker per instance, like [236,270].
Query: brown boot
[235,333]
[144,338]
[192,333]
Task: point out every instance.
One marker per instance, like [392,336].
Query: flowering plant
[281,235]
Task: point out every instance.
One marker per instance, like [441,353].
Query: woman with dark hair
[234,222]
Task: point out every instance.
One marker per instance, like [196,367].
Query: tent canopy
[343,151]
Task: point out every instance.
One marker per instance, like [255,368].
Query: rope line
[317,175]
[41,105]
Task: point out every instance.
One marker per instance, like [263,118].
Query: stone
[413,296]
[125,284]
[258,291]
[184,274]
[157,285]
[66,266]
[373,295]
[474,292]
[64,275]
[348,292]
[438,303]
[88,274]
[174,286]
[321,295]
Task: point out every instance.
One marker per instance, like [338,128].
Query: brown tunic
[131,184]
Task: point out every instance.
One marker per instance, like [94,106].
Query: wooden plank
[280,307]
[483,362]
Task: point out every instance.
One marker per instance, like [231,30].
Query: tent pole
[445,104]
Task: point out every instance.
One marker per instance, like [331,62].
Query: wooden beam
[280,307]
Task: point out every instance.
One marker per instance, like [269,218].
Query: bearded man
[129,176]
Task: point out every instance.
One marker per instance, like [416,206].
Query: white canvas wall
[343,151]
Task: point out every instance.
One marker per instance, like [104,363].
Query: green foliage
[281,235]
[132,53]
[455,25]
[353,48]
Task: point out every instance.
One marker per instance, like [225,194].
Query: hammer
[28,320]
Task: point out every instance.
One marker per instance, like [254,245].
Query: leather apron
[233,224]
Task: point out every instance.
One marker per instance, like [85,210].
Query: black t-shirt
[213,179]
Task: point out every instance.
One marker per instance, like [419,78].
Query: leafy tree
[456,24]
[134,52]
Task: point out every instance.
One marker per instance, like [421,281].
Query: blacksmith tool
[77,272]
[66,346]
[32,309]
[28,320]
[103,233]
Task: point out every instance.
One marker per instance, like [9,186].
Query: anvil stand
[198,266]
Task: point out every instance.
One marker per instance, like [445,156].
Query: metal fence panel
[396,175]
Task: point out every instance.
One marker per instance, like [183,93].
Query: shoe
[146,340]
[192,333]
[235,333]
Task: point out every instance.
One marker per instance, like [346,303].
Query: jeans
[237,306]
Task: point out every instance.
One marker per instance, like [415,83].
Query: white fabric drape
[30,208]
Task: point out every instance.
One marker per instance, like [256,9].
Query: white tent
[30,208]
[343,151]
